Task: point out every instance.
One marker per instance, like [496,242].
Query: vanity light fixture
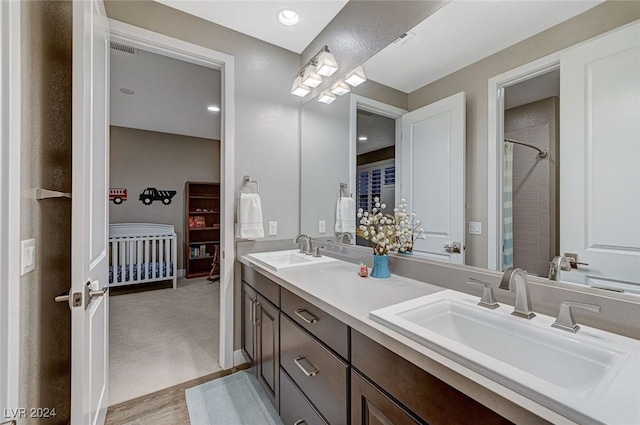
[326,97]
[340,88]
[288,17]
[356,77]
[322,64]
[327,64]
[298,88]
[310,78]
[213,108]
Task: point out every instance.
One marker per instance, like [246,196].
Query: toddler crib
[142,253]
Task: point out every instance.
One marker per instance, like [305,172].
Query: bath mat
[236,399]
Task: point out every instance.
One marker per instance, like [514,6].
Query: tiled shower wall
[535,194]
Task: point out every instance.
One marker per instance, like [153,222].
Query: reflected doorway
[530,183]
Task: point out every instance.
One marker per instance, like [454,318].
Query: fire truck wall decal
[117,195]
[151,194]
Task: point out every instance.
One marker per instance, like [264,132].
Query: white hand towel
[250,217]
[345,215]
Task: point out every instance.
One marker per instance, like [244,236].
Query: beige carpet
[162,338]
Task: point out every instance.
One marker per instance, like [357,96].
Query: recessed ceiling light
[213,108]
[288,17]
[125,90]
[362,138]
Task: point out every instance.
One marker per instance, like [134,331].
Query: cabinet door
[369,406]
[249,298]
[268,348]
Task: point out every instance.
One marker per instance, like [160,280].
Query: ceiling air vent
[404,37]
[123,48]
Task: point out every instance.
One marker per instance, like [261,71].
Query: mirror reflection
[565,215]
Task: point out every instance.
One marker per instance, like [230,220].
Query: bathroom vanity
[322,352]
[319,370]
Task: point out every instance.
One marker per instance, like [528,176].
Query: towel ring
[247,181]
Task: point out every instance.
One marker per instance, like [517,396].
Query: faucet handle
[488,300]
[316,253]
[565,319]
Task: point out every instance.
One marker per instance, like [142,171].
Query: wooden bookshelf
[202,226]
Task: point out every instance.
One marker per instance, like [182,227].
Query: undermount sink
[288,260]
[568,371]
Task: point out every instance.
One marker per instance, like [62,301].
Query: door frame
[495,128]
[380,108]
[188,52]
[10,199]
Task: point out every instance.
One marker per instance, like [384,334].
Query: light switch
[475,228]
[273,228]
[27,256]
[322,227]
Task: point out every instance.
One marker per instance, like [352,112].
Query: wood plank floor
[165,407]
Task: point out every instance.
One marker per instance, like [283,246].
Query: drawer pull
[298,361]
[300,422]
[306,316]
[256,319]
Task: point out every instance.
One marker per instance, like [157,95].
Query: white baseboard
[238,358]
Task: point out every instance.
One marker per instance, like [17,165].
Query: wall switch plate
[475,228]
[322,226]
[27,256]
[273,228]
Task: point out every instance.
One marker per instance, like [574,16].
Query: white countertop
[340,291]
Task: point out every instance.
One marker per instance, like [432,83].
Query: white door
[89,225]
[600,159]
[433,170]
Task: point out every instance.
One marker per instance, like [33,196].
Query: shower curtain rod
[542,153]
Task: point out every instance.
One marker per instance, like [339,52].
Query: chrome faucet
[558,263]
[523,303]
[565,319]
[341,237]
[304,242]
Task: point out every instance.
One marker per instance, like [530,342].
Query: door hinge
[222,254]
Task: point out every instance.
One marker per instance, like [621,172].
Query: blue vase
[381,267]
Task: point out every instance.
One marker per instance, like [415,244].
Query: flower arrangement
[389,233]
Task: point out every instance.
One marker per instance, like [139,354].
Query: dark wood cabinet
[294,406]
[429,398]
[369,406]
[321,375]
[267,359]
[202,227]
[318,371]
[248,334]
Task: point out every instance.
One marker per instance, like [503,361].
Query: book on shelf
[197,222]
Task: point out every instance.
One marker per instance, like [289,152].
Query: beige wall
[142,159]
[46,162]
[266,114]
[473,80]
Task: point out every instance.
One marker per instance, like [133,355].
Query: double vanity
[330,347]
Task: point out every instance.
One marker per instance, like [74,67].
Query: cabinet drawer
[370,406]
[425,395]
[269,289]
[295,409]
[320,374]
[322,325]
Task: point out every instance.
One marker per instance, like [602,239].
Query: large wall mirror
[538,174]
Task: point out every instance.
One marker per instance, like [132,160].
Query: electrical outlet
[322,227]
[27,256]
[273,228]
[475,228]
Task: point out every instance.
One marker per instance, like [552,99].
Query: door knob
[62,298]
